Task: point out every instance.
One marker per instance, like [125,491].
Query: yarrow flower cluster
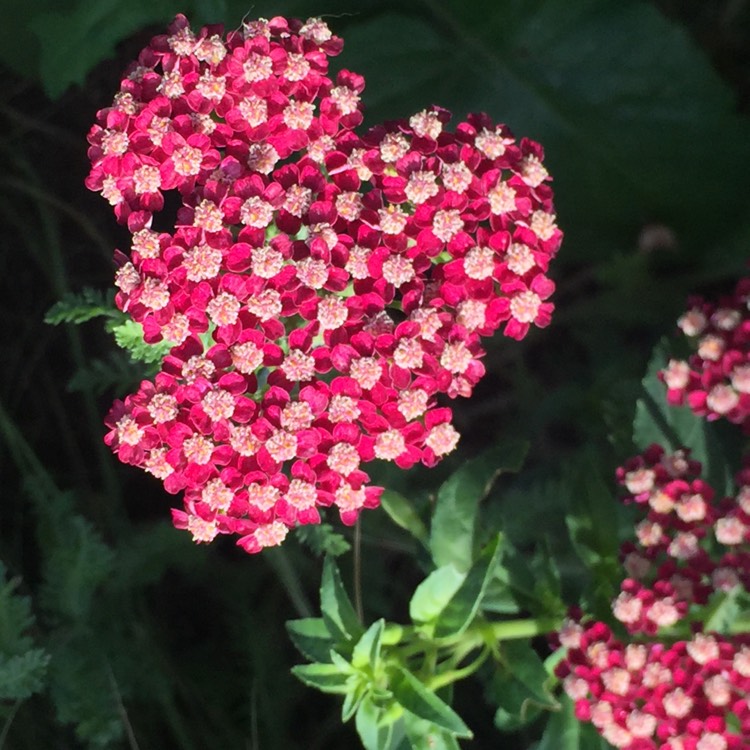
[320,288]
[715,380]
[656,691]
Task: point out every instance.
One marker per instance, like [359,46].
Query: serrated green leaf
[432,595]
[322,539]
[77,564]
[82,306]
[402,513]
[463,606]
[366,653]
[424,735]
[129,336]
[328,678]
[454,520]
[23,675]
[336,607]
[15,617]
[413,696]
[311,637]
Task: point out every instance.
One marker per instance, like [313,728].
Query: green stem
[509,630]
[454,675]
[358,571]
[8,722]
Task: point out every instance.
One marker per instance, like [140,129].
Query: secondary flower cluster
[715,380]
[320,288]
[652,692]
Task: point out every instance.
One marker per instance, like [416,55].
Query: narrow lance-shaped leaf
[325,677]
[374,730]
[335,605]
[432,595]
[463,606]
[367,651]
[311,637]
[402,513]
[520,688]
[412,695]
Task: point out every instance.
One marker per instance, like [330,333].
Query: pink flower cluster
[653,696]
[320,288]
[715,380]
[657,691]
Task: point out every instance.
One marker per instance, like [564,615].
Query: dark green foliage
[141,639]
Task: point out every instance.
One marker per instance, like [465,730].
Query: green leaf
[592,516]
[722,611]
[322,539]
[78,563]
[563,729]
[82,306]
[657,421]
[129,336]
[412,695]
[366,654]
[74,40]
[455,517]
[619,95]
[327,678]
[311,637]
[352,700]
[336,607]
[433,594]
[532,581]
[375,729]
[424,735]
[463,606]
[520,688]
[402,513]
[565,732]
[23,675]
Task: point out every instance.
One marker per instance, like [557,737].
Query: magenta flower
[320,288]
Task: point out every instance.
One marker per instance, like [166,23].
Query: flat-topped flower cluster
[320,288]
[657,689]
[715,380]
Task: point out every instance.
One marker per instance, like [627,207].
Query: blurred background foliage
[115,630]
